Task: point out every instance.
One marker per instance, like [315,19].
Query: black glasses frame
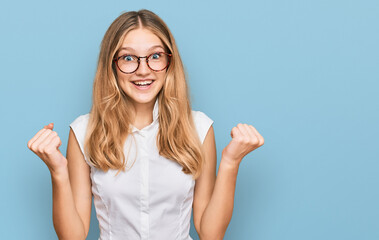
[147,61]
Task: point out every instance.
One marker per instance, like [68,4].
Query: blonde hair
[112,111]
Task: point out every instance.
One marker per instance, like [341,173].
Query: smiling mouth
[143,83]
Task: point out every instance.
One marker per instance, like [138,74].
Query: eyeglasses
[156,62]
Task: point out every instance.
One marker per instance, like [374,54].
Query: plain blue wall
[304,73]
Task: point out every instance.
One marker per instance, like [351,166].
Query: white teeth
[143,83]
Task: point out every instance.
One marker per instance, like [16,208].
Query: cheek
[122,79]
[161,77]
[123,85]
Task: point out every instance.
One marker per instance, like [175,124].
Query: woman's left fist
[245,138]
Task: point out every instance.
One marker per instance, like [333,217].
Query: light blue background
[304,73]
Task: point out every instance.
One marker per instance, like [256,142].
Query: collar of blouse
[155,119]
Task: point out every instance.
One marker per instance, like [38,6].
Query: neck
[143,114]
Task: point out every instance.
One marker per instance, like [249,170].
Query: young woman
[141,152]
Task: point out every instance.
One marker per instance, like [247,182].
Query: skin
[213,195]
[139,42]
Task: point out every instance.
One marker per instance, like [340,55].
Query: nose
[143,68]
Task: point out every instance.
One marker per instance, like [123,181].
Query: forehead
[140,40]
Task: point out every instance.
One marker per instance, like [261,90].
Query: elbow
[210,231]
[72,238]
[69,232]
[210,235]
[68,235]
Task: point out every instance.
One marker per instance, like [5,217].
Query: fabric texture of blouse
[153,198]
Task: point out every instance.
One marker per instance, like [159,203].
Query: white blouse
[153,198]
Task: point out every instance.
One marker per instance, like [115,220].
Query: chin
[144,100]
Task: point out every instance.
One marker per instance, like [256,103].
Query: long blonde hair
[112,111]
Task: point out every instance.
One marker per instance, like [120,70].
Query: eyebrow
[129,48]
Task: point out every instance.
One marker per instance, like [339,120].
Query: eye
[128,58]
[155,56]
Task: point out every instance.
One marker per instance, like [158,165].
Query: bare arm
[72,195]
[70,181]
[214,197]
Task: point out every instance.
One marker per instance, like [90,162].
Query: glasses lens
[158,61]
[128,63]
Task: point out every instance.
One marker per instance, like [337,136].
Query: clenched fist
[46,145]
[245,138]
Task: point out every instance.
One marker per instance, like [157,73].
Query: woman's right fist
[46,145]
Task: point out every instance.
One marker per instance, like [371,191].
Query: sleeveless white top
[153,198]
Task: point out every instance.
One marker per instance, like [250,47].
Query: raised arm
[214,197]
[70,181]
